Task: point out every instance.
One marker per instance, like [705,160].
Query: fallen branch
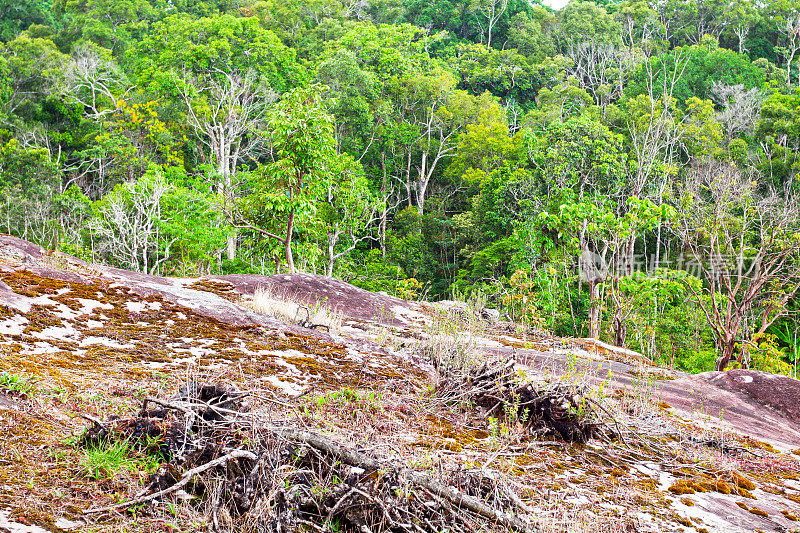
[96,421]
[451,494]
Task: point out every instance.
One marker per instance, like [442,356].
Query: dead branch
[451,494]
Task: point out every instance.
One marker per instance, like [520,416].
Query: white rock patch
[406,315]
[141,307]
[289,388]
[66,333]
[88,306]
[13,326]
[104,341]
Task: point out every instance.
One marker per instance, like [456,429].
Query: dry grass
[316,315]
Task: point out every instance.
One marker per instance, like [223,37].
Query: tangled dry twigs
[556,408]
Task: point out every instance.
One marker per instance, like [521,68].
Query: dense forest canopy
[621,170]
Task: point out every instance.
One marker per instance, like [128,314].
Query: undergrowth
[102,459]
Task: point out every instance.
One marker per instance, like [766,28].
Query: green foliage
[18,15]
[581,22]
[558,104]
[29,182]
[371,271]
[32,69]
[580,154]
[111,24]
[696,68]
[302,135]
[504,73]
[212,46]
[195,224]
[525,297]
[104,460]
[530,33]
[779,127]
[766,355]
[14,383]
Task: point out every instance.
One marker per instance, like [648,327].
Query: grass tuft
[105,460]
[11,382]
[267,301]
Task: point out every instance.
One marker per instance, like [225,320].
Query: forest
[618,170]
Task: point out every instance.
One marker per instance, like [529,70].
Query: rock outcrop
[705,452]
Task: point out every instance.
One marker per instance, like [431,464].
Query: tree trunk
[594,309]
[227,181]
[620,331]
[422,183]
[287,244]
[384,210]
[728,346]
[231,247]
[329,263]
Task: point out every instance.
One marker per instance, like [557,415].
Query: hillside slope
[397,381]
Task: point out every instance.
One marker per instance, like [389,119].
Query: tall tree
[490,12]
[223,68]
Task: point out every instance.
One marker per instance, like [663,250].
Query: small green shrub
[22,384]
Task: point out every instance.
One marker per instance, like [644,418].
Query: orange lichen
[789,515]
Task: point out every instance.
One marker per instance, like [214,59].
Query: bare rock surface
[340,296]
[780,393]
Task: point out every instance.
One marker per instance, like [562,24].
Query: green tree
[18,15]
[28,182]
[692,71]
[212,48]
[739,18]
[347,212]
[581,22]
[111,24]
[779,131]
[531,34]
[600,235]
[34,69]
[580,154]
[283,193]
[504,73]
